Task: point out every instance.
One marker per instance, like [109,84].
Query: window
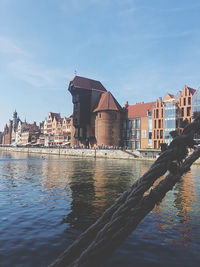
[155,124]
[137,144]
[138,123]
[159,123]
[157,134]
[156,113]
[161,134]
[144,134]
[137,134]
[188,111]
[162,113]
[189,100]
[184,101]
[182,112]
[155,144]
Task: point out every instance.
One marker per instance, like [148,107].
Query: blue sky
[138,49]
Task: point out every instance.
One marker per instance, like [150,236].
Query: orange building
[136,128]
[158,123]
[185,105]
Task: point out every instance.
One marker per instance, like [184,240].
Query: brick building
[50,125]
[10,130]
[96,114]
[158,123]
[108,121]
[30,134]
[56,130]
[172,113]
[7,133]
[185,105]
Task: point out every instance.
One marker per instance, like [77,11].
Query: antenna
[75,72]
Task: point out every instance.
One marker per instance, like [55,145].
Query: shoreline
[145,154]
[89,153]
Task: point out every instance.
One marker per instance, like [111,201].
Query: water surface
[46,203]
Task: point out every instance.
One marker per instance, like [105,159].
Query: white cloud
[38,75]
[9,46]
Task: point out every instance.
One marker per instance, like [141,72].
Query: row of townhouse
[17,132]
[100,121]
[149,124]
[56,130]
[53,131]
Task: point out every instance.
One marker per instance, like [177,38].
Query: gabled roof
[85,83]
[140,109]
[168,97]
[172,96]
[192,91]
[108,102]
[55,115]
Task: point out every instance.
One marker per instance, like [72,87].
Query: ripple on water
[46,204]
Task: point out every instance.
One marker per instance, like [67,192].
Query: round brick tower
[108,121]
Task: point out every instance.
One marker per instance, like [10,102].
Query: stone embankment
[141,154]
[93,153]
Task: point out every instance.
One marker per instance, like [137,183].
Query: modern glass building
[196,108]
[170,119]
[150,129]
[196,104]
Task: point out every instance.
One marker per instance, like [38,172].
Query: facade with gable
[97,115]
[172,113]
[10,130]
[56,130]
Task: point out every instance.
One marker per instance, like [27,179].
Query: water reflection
[48,203]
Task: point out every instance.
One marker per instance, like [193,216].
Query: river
[45,203]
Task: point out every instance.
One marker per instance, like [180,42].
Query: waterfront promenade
[141,154]
[148,154]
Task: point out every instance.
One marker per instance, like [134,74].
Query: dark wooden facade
[85,97]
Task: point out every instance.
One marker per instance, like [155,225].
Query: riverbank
[93,153]
[141,154]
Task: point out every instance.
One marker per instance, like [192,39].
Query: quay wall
[145,154]
[98,153]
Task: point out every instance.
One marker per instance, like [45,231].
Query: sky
[138,49]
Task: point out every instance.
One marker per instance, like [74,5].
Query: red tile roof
[140,109]
[108,102]
[172,96]
[86,83]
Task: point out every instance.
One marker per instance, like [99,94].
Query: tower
[85,97]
